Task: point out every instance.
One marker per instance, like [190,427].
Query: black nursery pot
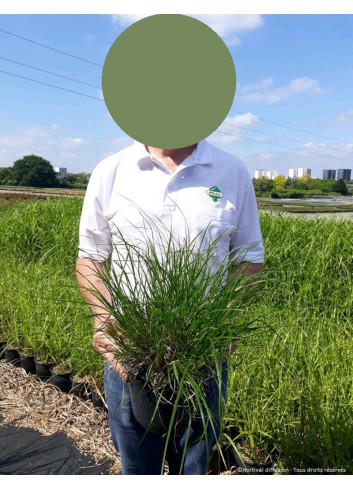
[248,468]
[62,381]
[227,458]
[43,371]
[2,349]
[13,357]
[79,389]
[97,401]
[144,401]
[28,363]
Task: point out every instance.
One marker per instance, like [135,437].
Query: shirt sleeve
[95,239]
[246,241]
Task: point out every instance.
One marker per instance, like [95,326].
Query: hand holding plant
[104,343]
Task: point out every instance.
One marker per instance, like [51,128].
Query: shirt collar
[201,155]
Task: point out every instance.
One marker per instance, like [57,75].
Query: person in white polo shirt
[199,185]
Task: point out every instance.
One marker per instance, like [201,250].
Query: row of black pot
[46,373]
[143,399]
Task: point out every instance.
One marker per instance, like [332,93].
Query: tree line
[35,171]
[295,187]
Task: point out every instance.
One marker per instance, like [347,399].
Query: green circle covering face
[168,81]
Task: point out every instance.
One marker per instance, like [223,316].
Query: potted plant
[12,355]
[43,368]
[96,395]
[80,385]
[231,455]
[176,315]
[27,360]
[61,376]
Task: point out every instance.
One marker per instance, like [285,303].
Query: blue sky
[292,70]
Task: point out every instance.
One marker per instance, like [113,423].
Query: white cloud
[263,90]
[267,156]
[45,141]
[24,137]
[311,145]
[229,131]
[71,142]
[36,131]
[227,26]
[260,85]
[126,19]
[56,144]
[121,142]
[346,118]
[13,140]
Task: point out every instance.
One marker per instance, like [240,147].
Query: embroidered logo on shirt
[215,193]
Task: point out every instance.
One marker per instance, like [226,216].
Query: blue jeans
[141,452]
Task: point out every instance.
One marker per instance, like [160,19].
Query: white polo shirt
[210,190]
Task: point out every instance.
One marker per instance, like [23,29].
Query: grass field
[290,388]
[302,206]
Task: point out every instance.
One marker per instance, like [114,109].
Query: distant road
[324,200]
[42,192]
[336,215]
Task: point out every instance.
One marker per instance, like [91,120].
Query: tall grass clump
[292,396]
[177,313]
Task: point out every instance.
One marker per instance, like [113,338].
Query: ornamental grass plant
[176,314]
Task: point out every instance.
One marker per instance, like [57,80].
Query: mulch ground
[26,402]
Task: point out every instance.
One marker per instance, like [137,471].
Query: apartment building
[329,174]
[271,174]
[299,172]
[344,173]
